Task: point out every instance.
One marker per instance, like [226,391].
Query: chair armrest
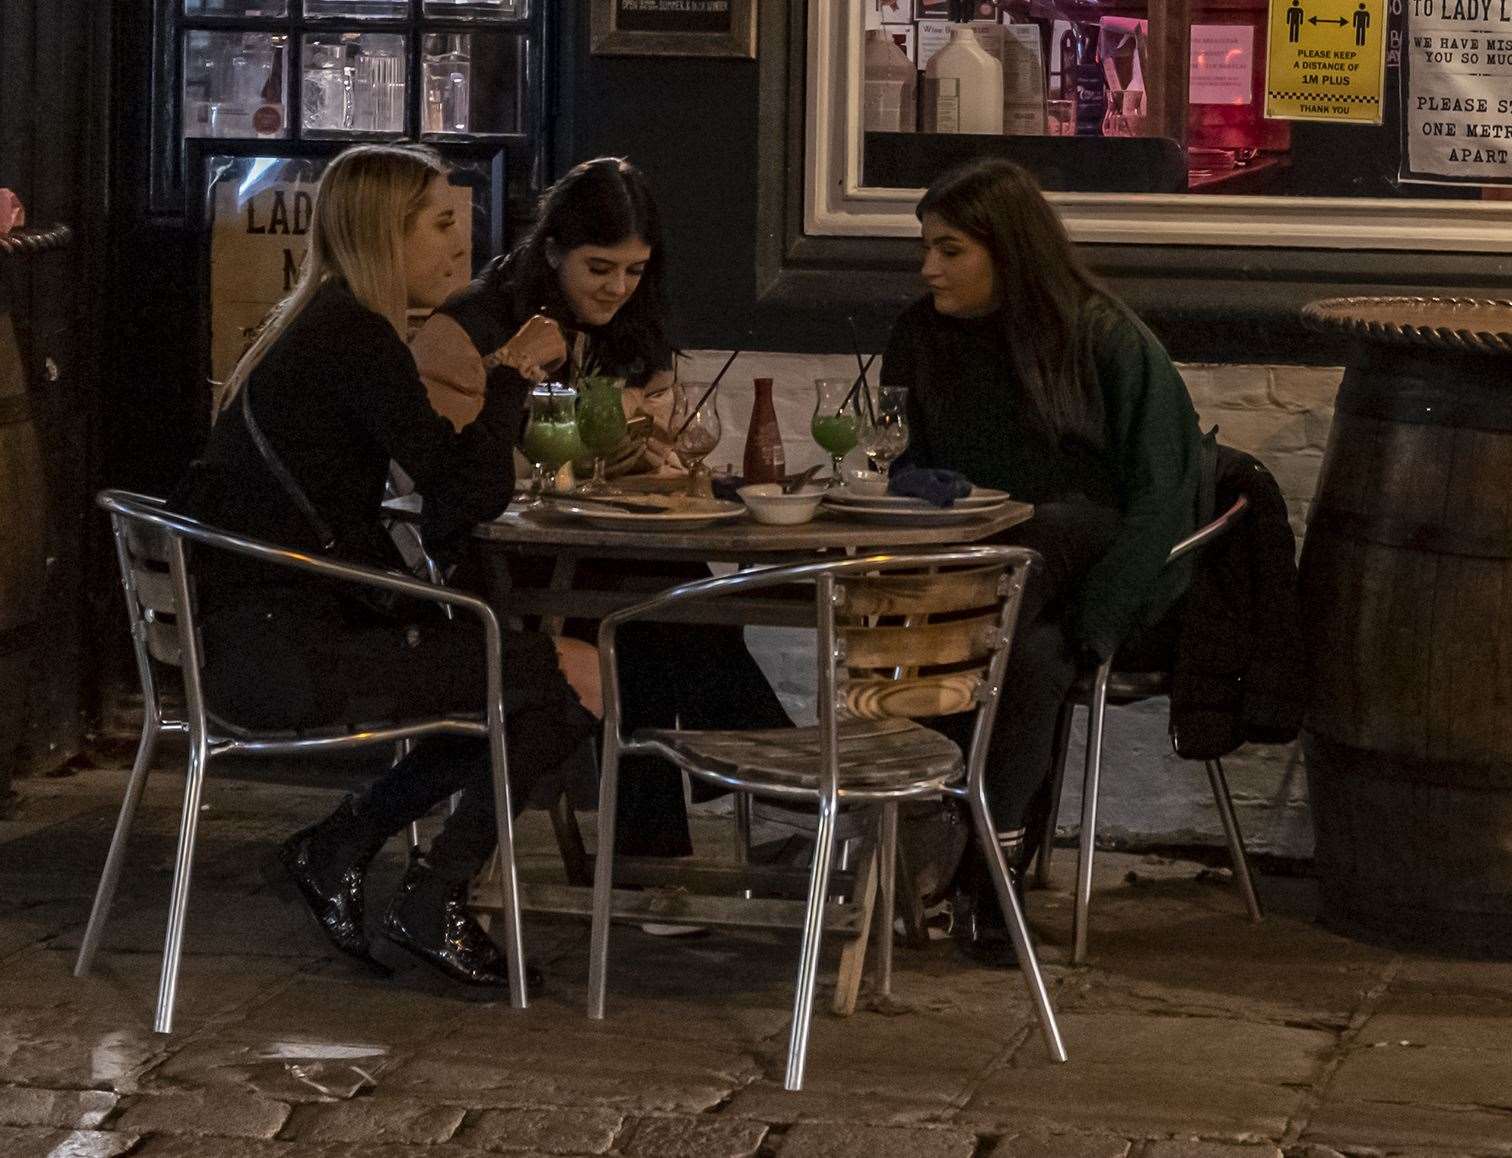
[1205,535]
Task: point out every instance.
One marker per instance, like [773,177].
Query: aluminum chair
[872,617]
[151,549]
[1096,688]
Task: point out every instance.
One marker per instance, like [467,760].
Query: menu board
[1457,86]
[673,16]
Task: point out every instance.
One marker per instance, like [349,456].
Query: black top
[337,397]
[490,311]
[967,413]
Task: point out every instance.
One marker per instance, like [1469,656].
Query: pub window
[1323,123]
[445,71]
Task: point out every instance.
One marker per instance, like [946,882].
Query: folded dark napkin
[727,487]
[938,487]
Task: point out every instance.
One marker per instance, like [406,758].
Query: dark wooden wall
[55,65]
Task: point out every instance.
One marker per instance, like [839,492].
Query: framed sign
[256,204]
[674,28]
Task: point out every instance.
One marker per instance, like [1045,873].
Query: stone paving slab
[1192,1035]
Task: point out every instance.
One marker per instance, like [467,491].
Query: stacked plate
[898,510]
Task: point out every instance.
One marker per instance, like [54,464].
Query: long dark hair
[600,202]
[1045,289]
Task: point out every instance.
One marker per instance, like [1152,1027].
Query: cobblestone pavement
[1192,1035]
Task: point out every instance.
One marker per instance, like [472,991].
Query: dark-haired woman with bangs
[1026,375]
[589,273]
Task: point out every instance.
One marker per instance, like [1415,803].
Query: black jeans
[1070,537]
[274,666]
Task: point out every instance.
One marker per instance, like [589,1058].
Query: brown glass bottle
[765,460]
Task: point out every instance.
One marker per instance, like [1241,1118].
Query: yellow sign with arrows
[1326,60]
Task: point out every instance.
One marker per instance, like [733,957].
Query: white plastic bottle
[979,81]
[890,85]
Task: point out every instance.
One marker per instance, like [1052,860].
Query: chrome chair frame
[1096,699]
[209,737]
[829,793]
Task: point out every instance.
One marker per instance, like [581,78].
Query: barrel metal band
[1392,531]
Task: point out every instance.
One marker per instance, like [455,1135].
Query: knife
[613,504]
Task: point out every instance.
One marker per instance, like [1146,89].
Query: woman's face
[958,270]
[597,280]
[433,249]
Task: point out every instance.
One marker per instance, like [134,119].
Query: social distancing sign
[1326,60]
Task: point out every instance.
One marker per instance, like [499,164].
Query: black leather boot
[979,927]
[324,865]
[429,918]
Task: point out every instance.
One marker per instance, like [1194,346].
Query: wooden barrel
[23,520]
[1407,599]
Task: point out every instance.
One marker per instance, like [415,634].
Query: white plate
[921,516]
[978,498]
[612,520]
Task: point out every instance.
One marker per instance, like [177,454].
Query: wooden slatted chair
[874,615]
[1096,688]
[152,551]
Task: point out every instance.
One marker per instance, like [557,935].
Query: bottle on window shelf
[765,459]
[891,80]
[968,68]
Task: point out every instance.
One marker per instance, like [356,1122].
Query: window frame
[837,205]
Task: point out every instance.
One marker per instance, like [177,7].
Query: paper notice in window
[1457,92]
[1023,81]
[1223,62]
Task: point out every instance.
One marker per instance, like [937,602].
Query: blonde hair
[367,199]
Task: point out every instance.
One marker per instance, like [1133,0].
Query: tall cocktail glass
[884,428]
[551,433]
[834,425]
[600,423]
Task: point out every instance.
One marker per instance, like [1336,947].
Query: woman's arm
[1154,445]
[451,368]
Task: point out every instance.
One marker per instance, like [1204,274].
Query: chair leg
[603,881]
[569,838]
[178,904]
[742,828]
[110,876]
[1057,782]
[887,883]
[1097,709]
[1230,819]
[1018,928]
[808,958]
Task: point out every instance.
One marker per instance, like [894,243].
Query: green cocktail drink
[600,422]
[552,443]
[836,433]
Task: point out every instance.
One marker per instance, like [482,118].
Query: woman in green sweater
[1024,374]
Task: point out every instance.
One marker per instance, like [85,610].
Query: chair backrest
[145,552]
[921,643]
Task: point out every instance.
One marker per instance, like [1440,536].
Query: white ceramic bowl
[768,504]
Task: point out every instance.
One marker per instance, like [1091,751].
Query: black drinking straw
[728,363]
[859,382]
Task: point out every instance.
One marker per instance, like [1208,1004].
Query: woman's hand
[537,346]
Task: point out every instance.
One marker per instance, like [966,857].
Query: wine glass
[696,431]
[600,424]
[833,428]
[551,434]
[884,431]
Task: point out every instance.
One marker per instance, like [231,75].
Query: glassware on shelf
[236,7]
[1125,115]
[884,427]
[697,432]
[832,426]
[358,9]
[354,82]
[600,423]
[551,433]
[227,78]
[481,9]
[447,72]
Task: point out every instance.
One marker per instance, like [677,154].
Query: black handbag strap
[301,500]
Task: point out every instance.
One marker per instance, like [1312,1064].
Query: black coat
[1240,673]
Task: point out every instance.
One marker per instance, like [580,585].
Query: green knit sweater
[968,413]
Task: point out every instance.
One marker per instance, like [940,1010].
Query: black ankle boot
[326,864]
[429,917]
[979,927]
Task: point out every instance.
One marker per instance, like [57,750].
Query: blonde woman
[332,391]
